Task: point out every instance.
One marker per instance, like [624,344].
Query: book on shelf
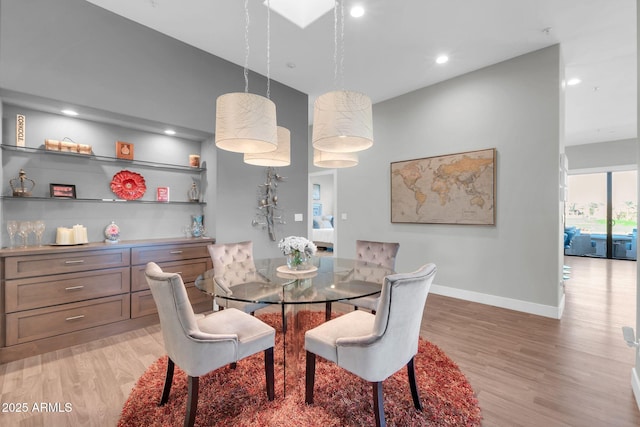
[162,194]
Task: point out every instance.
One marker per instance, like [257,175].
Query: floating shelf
[105,159]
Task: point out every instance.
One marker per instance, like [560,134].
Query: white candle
[63,236]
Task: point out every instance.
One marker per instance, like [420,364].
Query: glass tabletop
[269,281]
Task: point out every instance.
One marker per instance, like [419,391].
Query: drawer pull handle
[74,288]
[75,261]
[75,317]
[175,252]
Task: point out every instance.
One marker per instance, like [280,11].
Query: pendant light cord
[268,49]
[246,46]
[338,70]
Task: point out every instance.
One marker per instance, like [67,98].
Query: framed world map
[451,189]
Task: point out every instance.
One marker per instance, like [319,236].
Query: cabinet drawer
[189,270]
[163,253]
[36,292]
[142,303]
[25,326]
[68,262]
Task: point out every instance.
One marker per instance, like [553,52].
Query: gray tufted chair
[379,253]
[201,344]
[233,264]
[375,346]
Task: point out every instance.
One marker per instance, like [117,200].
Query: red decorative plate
[128,185]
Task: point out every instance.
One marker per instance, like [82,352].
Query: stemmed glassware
[39,227]
[12,228]
[23,230]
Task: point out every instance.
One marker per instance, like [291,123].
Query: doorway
[601,215]
[323,209]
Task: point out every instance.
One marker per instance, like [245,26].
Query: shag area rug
[237,397]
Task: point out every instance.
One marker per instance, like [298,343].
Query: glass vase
[297,260]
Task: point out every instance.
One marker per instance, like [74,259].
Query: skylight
[301,13]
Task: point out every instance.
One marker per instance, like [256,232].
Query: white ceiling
[391,49]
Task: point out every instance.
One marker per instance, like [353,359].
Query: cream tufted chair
[379,253]
[233,264]
[375,346]
[199,345]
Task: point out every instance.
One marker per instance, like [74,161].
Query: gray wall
[514,106]
[73,51]
[611,155]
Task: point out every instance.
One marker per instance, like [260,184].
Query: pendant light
[278,158]
[326,159]
[342,120]
[282,155]
[245,122]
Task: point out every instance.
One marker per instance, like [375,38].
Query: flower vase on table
[297,260]
[298,251]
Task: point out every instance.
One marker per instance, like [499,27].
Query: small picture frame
[162,194]
[316,191]
[124,150]
[317,209]
[62,191]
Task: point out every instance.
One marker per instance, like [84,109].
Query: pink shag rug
[238,397]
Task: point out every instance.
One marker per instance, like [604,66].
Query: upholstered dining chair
[378,253]
[202,344]
[375,346]
[233,264]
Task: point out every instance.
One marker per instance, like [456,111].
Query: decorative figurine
[21,185]
[112,233]
[194,193]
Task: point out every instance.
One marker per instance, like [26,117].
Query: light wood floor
[526,370]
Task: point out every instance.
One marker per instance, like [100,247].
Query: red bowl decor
[128,185]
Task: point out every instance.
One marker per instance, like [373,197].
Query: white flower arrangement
[292,244]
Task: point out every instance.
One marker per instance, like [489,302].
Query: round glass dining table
[269,281]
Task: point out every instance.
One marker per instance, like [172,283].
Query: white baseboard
[635,385]
[502,302]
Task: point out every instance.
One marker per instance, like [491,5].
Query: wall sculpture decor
[450,189]
[268,213]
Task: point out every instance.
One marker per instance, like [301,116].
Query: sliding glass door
[601,215]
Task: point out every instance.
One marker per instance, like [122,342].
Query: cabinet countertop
[35,250]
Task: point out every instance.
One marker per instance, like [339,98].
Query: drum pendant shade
[245,123]
[342,122]
[325,159]
[280,157]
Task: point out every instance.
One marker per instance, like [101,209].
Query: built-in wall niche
[162,161]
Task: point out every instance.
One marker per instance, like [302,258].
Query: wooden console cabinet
[56,296]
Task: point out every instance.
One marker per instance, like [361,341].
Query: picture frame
[317,209]
[455,188]
[316,192]
[62,191]
[124,150]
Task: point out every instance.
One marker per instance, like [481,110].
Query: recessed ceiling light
[357,11]
[442,59]
[170,132]
[574,81]
[69,112]
[291,65]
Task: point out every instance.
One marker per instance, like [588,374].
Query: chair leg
[233,365]
[268,371]
[310,377]
[192,402]
[413,385]
[167,382]
[378,404]
[327,311]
